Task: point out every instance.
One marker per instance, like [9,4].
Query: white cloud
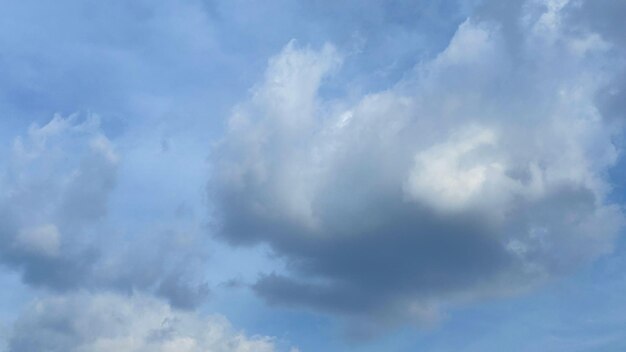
[109,322]
[494,141]
[444,177]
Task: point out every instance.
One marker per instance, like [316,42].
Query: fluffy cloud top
[481,173]
[109,322]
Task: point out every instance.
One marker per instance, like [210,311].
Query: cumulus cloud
[109,322]
[55,188]
[56,229]
[481,173]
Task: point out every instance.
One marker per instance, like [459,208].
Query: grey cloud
[612,99]
[482,173]
[413,255]
[604,17]
[183,293]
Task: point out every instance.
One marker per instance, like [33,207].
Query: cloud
[56,187]
[481,173]
[56,229]
[108,322]
[43,240]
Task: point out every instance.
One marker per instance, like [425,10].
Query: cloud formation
[109,322]
[55,226]
[481,173]
[397,157]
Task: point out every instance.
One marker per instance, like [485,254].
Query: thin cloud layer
[109,322]
[483,172]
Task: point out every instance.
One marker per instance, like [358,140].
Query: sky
[303,176]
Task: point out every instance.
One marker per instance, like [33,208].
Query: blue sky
[283,175]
